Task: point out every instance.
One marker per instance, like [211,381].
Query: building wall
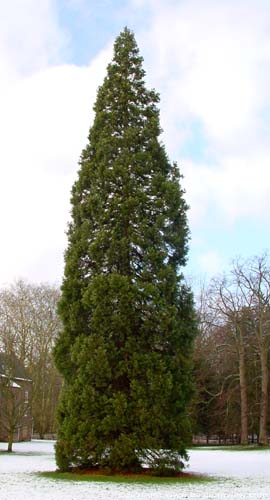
[15,406]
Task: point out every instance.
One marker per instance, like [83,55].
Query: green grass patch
[126,478]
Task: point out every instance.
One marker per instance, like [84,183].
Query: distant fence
[197,440]
[221,439]
[45,436]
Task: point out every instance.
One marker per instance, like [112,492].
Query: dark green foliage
[128,318]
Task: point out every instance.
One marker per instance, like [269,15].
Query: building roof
[12,367]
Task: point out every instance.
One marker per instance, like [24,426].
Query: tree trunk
[10,440]
[243,394]
[263,436]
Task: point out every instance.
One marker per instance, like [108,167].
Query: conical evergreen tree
[128,319]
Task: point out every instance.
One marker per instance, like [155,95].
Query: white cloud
[45,117]
[210,263]
[212,58]
[30,37]
[211,62]
[236,188]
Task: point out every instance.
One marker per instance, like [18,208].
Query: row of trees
[29,324]
[232,352]
[231,357]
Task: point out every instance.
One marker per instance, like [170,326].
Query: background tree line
[29,324]
[231,357]
[232,353]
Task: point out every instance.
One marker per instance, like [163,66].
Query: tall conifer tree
[128,319]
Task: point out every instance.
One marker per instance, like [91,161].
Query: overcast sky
[210,62]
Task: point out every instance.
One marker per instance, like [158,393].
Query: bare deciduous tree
[235,321]
[253,279]
[226,302]
[28,327]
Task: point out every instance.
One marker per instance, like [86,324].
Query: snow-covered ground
[239,475]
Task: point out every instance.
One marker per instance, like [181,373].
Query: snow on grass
[230,463]
[240,475]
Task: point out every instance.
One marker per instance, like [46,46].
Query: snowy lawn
[239,475]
